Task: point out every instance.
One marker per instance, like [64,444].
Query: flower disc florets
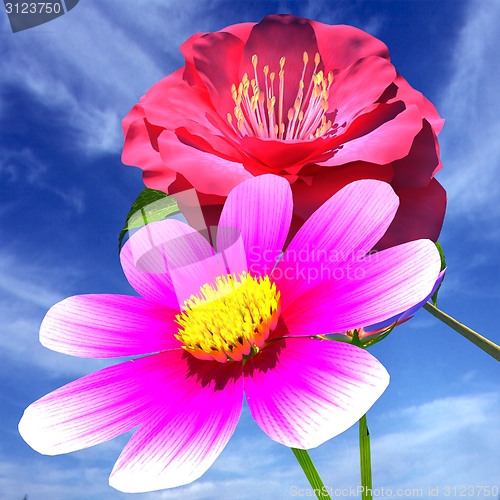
[229,320]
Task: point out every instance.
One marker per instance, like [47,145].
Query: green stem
[365,461]
[483,343]
[311,473]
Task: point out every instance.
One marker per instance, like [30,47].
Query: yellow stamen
[229,320]
[260,109]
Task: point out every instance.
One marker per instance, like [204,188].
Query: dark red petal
[278,36]
[217,58]
[422,162]
[342,45]
[420,215]
[307,198]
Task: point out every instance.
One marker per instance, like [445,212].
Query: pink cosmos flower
[221,324]
[319,105]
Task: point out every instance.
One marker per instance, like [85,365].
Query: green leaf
[443,266]
[151,205]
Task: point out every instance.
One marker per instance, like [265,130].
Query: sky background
[64,195]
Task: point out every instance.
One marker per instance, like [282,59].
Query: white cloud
[23,166]
[27,291]
[93,64]
[470,104]
[450,441]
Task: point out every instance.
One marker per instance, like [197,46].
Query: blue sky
[64,194]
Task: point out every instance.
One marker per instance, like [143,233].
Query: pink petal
[367,292]
[168,261]
[144,268]
[390,141]
[341,45]
[343,229]
[199,405]
[93,409]
[258,212]
[303,392]
[107,326]
[207,172]
[359,86]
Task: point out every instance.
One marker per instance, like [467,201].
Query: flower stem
[311,473]
[483,343]
[365,461]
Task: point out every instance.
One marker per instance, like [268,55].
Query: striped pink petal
[260,210]
[107,326]
[303,392]
[168,261]
[92,409]
[343,229]
[372,290]
[197,410]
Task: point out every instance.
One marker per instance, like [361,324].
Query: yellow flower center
[259,110]
[229,320]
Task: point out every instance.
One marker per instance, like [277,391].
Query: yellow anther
[230,118]
[290,114]
[282,62]
[266,69]
[230,319]
[317,59]
[255,60]
[305,57]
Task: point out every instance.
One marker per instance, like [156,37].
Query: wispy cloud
[470,104]
[449,441]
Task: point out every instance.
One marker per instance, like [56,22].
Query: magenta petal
[175,253]
[107,326]
[199,405]
[303,392]
[259,212]
[93,409]
[367,292]
[342,230]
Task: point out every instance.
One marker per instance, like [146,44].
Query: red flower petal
[341,45]
[420,215]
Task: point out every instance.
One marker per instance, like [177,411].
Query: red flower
[317,104]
